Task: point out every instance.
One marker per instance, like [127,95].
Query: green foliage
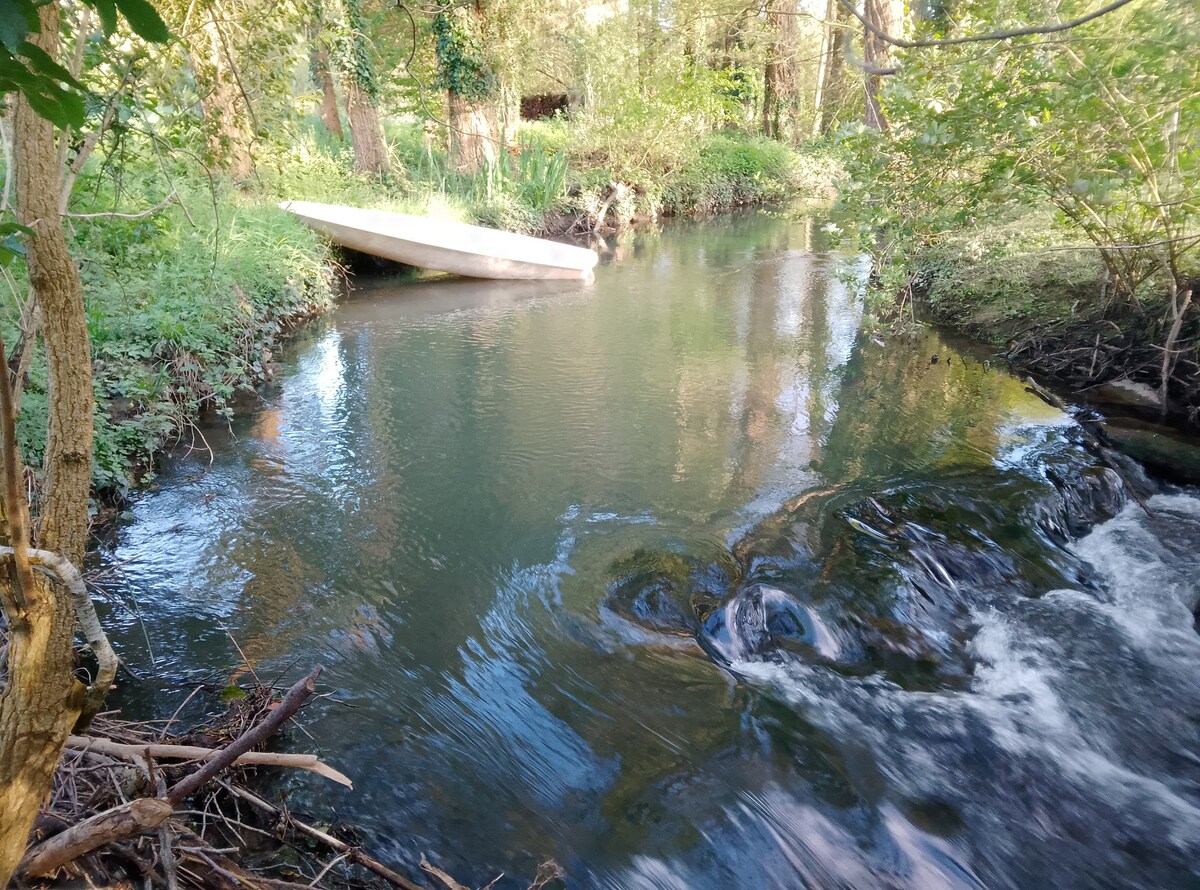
[10,246]
[181,318]
[1092,126]
[352,51]
[551,135]
[503,210]
[653,133]
[730,171]
[1016,271]
[462,67]
[540,177]
[49,88]
[141,15]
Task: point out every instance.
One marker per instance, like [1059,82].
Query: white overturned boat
[443,245]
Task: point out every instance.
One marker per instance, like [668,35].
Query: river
[683,580]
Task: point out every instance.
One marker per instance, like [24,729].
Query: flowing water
[680,579]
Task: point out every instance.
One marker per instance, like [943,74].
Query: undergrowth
[185,308]
[1019,270]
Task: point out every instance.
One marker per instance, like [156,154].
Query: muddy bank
[1070,336]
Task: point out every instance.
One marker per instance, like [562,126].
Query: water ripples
[680,580]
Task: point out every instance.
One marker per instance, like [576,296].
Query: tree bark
[473,134]
[884,16]
[42,699]
[824,68]
[225,108]
[329,105]
[366,134]
[779,75]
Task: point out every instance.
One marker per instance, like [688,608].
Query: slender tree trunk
[836,86]
[824,64]
[474,138]
[366,134]
[887,16]
[225,107]
[329,105]
[779,76]
[42,699]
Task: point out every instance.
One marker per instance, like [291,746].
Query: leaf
[233,692]
[144,20]
[8,229]
[17,19]
[61,108]
[41,62]
[107,10]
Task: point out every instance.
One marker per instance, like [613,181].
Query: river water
[681,580]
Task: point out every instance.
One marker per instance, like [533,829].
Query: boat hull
[456,248]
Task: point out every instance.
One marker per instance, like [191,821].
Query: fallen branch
[448,881]
[135,753]
[357,856]
[1052,28]
[114,214]
[146,814]
[284,711]
[133,818]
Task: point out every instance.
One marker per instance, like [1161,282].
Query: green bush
[551,135]
[732,170]
[184,310]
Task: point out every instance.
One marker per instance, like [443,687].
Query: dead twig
[146,814]
[123,751]
[357,856]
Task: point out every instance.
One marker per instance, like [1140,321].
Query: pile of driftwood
[136,806]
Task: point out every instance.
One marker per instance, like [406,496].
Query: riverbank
[191,283]
[1027,288]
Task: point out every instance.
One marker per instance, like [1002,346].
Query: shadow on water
[386,302]
[678,578]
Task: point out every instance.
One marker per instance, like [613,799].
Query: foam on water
[1045,758]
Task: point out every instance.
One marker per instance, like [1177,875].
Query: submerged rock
[886,579]
[652,589]
[759,620]
[1161,449]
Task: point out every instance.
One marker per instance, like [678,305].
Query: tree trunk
[824,66]
[42,698]
[779,76]
[886,16]
[837,87]
[366,134]
[329,105]
[473,135]
[226,108]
